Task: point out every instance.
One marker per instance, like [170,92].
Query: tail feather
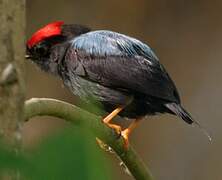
[178,110]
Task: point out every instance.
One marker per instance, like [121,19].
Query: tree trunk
[12,86]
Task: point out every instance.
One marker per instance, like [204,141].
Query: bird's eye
[41,49]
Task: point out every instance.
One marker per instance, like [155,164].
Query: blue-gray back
[108,43]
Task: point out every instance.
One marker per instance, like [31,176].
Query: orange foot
[116,127]
[125,134]
[108,118]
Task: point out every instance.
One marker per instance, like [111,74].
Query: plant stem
[51,107]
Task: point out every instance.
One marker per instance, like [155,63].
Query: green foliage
[72,154]
[9,160]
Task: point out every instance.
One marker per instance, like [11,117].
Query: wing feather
[120,62]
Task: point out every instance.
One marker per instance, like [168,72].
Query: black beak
[28,56]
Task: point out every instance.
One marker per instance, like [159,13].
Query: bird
[122,73]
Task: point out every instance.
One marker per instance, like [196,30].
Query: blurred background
[186,36]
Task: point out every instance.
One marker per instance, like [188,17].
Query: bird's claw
[116,128]
[125,135]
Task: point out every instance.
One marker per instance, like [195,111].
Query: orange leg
[108,118]
[125,133]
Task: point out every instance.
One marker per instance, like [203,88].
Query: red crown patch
[49,30]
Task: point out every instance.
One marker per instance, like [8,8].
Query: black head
[40,46]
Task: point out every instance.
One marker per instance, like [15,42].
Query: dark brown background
[186,36]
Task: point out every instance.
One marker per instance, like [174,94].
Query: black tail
[178,110]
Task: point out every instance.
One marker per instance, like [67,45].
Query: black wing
[120,62]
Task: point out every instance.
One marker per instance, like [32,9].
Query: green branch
[51,107]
